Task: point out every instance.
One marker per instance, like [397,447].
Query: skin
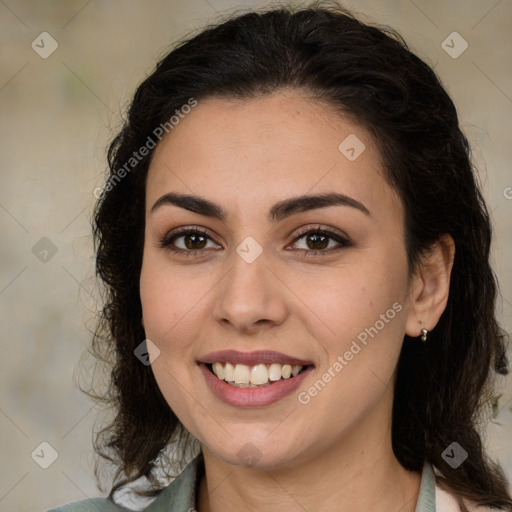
[333,453]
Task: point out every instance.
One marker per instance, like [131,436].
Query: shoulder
[90,505]
[179,495]
[448,502]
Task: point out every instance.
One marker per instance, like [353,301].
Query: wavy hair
[444,387]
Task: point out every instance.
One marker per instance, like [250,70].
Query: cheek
[166,301]
[364,315]
[354,298]
[174,304]
[366,321]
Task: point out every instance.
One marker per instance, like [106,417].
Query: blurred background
[67,72]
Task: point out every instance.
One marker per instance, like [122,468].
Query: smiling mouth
[259,375]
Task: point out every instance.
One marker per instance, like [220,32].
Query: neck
[359,473]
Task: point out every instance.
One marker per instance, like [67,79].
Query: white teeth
[259,374]
[241,375]
[219,370]
[229,372]
[274,372]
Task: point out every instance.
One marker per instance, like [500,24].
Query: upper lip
[252,358]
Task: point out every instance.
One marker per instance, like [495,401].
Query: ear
[429,288]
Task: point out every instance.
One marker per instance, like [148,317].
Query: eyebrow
[279,210]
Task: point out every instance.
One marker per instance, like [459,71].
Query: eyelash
[167,240]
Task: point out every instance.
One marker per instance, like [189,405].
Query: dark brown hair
[443,387]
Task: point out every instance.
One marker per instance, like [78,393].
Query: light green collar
[427,495]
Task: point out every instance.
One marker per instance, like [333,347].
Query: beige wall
[57,115]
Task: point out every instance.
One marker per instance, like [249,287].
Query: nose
[251,296]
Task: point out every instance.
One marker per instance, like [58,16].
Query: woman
[296,255]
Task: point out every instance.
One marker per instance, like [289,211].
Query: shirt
[180,495]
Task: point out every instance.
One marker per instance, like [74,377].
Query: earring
[424,333]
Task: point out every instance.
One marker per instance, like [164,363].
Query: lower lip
[252,397]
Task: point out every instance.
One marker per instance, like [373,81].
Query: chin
[256,449]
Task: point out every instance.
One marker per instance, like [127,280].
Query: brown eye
[193,241]
[317,241]
[190,241]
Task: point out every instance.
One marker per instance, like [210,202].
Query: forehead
[248,152]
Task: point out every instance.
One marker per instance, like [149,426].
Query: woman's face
[256,285]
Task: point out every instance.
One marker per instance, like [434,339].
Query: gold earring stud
[424,333]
